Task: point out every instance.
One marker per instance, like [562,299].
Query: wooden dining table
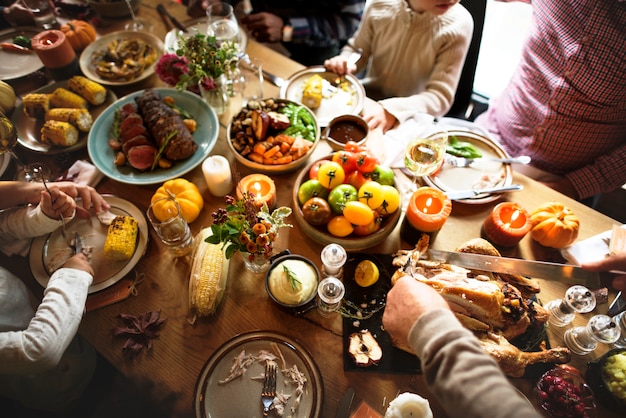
[172,366]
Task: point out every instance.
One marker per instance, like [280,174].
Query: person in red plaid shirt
[565,105]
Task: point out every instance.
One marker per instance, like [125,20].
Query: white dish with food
[477,176]
[104,72]
[51,249]
[18,64]
[29,129]
[340,96]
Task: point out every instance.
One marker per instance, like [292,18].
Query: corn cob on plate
[49,251]
[29,128]
[344,98]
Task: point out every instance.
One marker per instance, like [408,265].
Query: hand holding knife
[167,15]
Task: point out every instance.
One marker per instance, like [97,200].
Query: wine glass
[8,138]
[137,24]
[222,22]
[424,155]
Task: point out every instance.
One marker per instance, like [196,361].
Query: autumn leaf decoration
[140,330]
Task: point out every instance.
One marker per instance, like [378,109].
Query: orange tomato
[358,213]
[339,226]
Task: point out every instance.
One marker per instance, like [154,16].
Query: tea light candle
[217,175]
[428,210]
[261,186]
[507,224]
[56,53]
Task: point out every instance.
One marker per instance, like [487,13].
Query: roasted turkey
[496,307]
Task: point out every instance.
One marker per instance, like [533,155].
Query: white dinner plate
[101,44]
[241,397]
[18,64]
[29,129]
[102,155]
[451,178]
[197,26]
[336,101]
[43,249]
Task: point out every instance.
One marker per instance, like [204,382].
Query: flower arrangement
[198,59]
[244,227]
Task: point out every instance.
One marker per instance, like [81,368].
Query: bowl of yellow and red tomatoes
[347,198]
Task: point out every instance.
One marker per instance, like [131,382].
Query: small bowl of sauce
[346,128]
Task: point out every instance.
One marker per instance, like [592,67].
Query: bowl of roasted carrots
[273,135]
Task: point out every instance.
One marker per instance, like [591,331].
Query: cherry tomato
[331,174]
[383,175]
[391,200]
[357,179]
[352,146]
[371,193]
[315,168]
[370,228]
[316,211]
[366,162]
[309,189]
[358,213]
[340,195]
[346,159]
[339,226]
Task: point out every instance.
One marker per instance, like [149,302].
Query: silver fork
[269,387]
[467,162]
[39,173]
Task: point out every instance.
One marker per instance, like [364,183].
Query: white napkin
[591,249]
[396,139]
[83,172]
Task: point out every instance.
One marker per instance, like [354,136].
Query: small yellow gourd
[185,193]
[7,98]
[554,225]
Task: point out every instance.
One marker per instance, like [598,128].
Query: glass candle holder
[599,329]
[333,256]
[577,299]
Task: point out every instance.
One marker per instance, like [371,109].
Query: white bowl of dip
[286,291]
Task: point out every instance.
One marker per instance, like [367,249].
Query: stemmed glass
[136,24]
[222,22]
[424,155]
[8,138]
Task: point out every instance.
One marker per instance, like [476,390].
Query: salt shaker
[577,299]
[333,256]
[600,328]
[330,291]
[620,320]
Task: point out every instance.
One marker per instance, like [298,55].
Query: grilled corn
[121,238]
[80,118]
[209,274]
[62,134]
[62,97]
[93,92]
[312,94]
[36,104]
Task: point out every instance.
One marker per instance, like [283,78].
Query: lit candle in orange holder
[262,188]
[428,210]
[507,224]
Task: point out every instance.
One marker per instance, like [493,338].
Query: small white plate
[101,44]
[335,102]
[93,233]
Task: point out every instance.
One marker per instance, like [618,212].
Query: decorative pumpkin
[554,225]
[7,98]
[185,193]
[79,34]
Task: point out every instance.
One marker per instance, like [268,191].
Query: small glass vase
[256,262]
[218,97]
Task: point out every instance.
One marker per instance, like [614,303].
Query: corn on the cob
[121,238]
[312,93]
[81,118]
[93,92]
[61,97]
[62,134]
[209,274]
[36,104]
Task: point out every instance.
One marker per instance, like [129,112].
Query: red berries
[563,394]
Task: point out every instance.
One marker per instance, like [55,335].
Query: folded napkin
[82,172]
[590,249]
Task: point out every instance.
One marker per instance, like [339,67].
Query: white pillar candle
[217,175]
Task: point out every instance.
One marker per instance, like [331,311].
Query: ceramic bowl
[346,128]
[320,234]
[578,399]
[114,8]
[276,281]
[242,118]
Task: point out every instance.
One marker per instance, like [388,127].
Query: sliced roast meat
[141,157]
[135,141]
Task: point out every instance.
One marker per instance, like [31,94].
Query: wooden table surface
[179,354]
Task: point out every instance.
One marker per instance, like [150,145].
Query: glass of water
[167,220]
[222,22]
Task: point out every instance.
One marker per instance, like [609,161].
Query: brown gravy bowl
[346,128]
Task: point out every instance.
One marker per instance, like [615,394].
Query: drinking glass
[424,154]
[136,24]
[221,22]
[249,80]
[170,226]
[8,139]
[34,172]
[42,12]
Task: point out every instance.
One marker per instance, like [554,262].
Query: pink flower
[171,67]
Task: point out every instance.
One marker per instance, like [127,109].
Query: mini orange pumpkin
[554,225]
[79,34]
[185,193]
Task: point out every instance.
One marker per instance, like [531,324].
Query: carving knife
[565,273]
[165,14]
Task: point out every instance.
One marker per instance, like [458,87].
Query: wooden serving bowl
[322,236]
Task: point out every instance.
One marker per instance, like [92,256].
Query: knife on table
[346,403]
[468,194]
[165,14]
[565,273]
